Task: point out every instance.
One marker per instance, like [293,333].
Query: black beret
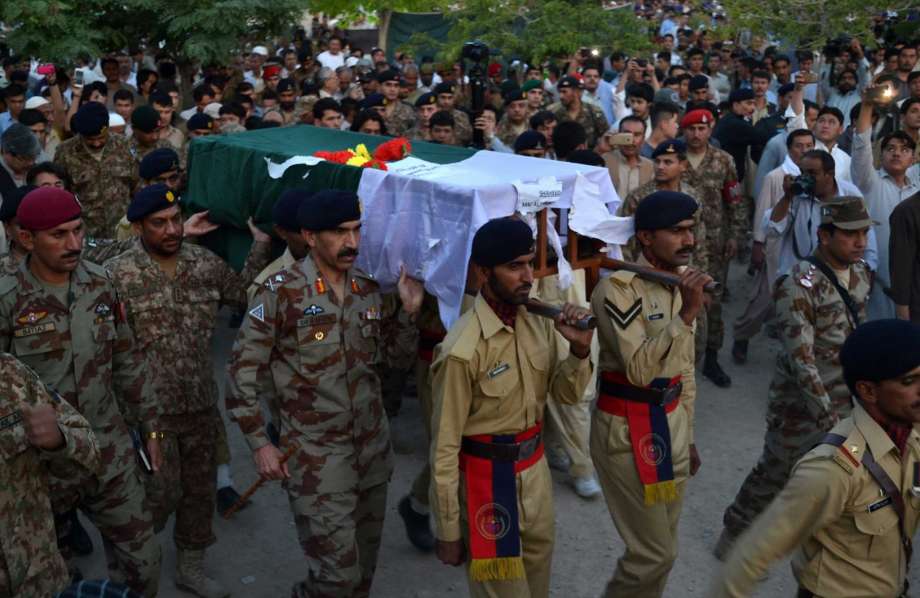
[587,157]
[389,75]
[698,82]
[145,118]
[671,146]
[529,140]
[327,209]
[426,99]
[284,212]
[373,100]
[880,350]
[150,199]
[199,121]
[568,82]
[740,95]
[664,209]
[286,84]
[515,95]
[443,88]
[500,241]
[90,120]
[11,201]
[160,160]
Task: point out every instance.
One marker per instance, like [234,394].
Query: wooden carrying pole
[258,484]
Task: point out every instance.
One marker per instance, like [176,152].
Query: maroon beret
[47,207]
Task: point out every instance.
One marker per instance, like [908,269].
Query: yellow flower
[361,156]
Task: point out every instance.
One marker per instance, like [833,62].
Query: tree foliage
[194,30]
[533,30]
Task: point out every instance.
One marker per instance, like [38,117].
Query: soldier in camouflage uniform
[712,172]
[60,315]
[514,120]
[317,327]
[808,394]
[425,106]
[570,107]
[398,116]
[37,432]
[14,253]
[144,135]
[102,168]
[447,101]
[172,292]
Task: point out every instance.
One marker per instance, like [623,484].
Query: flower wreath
[391,151]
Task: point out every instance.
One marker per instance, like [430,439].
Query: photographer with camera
[794,222]
[883,188]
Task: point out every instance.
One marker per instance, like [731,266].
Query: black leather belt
[508,453]
[652,396]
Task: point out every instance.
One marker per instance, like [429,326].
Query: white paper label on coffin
[533,197]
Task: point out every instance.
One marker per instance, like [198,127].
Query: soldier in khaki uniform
[172,292]
[491,492]
[642,430]
[852,503]
[398,116]
[61,316]
[102,168]
[808,394]
[570,107]
[317,328]
[515,119]
[712,172]
[38,431]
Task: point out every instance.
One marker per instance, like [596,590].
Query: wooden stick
[653,274]
[539,308]
[258,484]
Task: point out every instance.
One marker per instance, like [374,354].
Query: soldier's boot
[79,538]
[740,352]
[724,545]
[191,578]
[713,371]
[417,526]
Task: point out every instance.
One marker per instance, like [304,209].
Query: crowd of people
[802,167]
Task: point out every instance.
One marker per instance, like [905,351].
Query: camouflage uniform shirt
[323,354]
[84,351]
[104,185]
[813,323]
[507,131]
[725,217]
[400,120]
[173,319]
[140,151]
[463,130]
[590,117]
[30,564]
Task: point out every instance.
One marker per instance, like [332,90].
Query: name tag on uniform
[316,320]
[33,330]
[10,420]
[655,317]
[498,370]
[879,504]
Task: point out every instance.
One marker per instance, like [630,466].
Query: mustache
[71,254]
[348,253]
[524,288]
[686,250]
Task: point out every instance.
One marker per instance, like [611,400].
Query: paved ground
[257,554]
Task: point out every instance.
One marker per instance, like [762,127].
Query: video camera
[477,52]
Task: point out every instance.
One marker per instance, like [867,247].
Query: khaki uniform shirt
[104,185]
[813,322]
[489,378]
[30,564]
[832,513]
[323,354]
[83,351]
[724,220]
[173,319]
[642,336]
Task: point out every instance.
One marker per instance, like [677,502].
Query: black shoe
[739,352]
[76,576]
[273,435]
[78,539]
[713,371]
[417,527]
[226,498]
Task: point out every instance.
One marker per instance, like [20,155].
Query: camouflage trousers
[715,328]
[340,536]
[222,447]
[792,431]
[117,505]
[187,480]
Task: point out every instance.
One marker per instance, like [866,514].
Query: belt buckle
[671,393]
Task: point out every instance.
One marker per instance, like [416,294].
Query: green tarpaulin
[228,175]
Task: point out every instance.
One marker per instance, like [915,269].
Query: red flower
[340,157]
[393,150]
[375,163]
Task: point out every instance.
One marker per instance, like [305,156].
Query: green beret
[532,84]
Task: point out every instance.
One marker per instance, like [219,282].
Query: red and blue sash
[491,509]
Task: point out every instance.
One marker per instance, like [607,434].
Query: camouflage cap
[848,213]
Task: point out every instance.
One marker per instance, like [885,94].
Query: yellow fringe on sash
[497,569]
[661,492]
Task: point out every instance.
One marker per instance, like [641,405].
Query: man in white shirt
[828,128]
[883,188]
[332,58]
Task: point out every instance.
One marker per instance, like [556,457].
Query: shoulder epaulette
[276,280]
[463,338]
[623,277]
[96,270]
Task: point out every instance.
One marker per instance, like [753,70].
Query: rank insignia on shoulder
[313,310]
[499,369]
[805,281]
[625,317]
[31,317]
[258,312]
[846,457]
